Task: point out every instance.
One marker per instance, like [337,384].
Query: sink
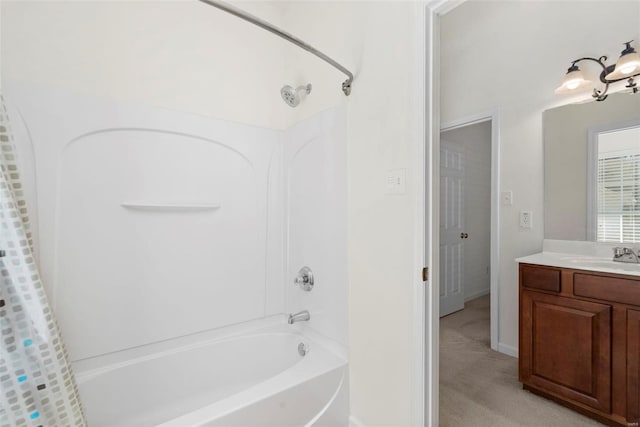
[588,262]
[585,259]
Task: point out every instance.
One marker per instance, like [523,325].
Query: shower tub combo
[160,335]
[180,343]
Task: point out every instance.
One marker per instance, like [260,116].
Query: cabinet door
[633,366]
[566,348]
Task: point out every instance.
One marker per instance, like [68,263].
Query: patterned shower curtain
[37,387]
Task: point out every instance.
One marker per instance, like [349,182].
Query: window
[618,186]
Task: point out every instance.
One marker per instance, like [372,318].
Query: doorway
[427,307]
[465,215]
[468,253]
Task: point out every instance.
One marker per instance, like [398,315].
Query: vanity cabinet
[580,340]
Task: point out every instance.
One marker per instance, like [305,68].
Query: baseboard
[508,350]
[477,294]
[354,422]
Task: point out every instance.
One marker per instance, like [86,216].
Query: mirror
[592,170]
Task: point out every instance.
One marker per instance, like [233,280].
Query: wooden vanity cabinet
[580,340]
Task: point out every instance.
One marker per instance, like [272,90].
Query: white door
[452,232]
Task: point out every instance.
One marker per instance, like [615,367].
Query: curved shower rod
[346,85]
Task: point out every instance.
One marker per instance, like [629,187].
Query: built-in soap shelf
[158,206]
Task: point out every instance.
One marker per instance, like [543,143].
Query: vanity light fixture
[627,67]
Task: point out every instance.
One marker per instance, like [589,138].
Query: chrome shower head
[293,96]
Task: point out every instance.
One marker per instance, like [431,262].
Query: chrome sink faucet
[625,255]
[302,316]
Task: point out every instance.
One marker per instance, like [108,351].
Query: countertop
[581,262]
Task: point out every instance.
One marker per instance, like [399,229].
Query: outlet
[507,198]
[526,219]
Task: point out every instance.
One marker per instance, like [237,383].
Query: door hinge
[425,274]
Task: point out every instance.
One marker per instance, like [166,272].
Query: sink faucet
[302,316]
[625,255]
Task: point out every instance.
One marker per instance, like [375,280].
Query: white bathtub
[252,378]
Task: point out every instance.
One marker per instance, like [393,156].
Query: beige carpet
[479,387]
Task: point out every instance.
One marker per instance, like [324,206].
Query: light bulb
[628,68]
[573,84]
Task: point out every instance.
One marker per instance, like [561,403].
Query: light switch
[396,182]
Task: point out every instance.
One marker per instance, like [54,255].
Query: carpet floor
[479,387]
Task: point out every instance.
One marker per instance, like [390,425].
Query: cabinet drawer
[625,291]
[540,278]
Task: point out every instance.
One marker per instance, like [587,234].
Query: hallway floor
[479,387]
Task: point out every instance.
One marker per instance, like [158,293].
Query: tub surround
[244,186]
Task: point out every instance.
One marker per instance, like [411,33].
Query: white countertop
[588,256]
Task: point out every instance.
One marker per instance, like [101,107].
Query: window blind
[618,190]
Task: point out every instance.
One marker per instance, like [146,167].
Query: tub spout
[302,316]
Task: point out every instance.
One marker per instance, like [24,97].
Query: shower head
[293,96]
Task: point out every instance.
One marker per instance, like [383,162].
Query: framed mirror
[574,135]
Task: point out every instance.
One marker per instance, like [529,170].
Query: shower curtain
[37,387]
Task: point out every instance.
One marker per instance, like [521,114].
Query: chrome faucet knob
[304,279]
[618,251]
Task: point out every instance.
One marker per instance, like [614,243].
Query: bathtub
[254,377]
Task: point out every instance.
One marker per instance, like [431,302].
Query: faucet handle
[304,279]
[618,251]
[628,251]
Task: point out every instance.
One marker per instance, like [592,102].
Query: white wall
[495,58]
[476,142]
[182,55]
[378,42]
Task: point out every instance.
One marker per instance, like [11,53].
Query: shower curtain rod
[346,85]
